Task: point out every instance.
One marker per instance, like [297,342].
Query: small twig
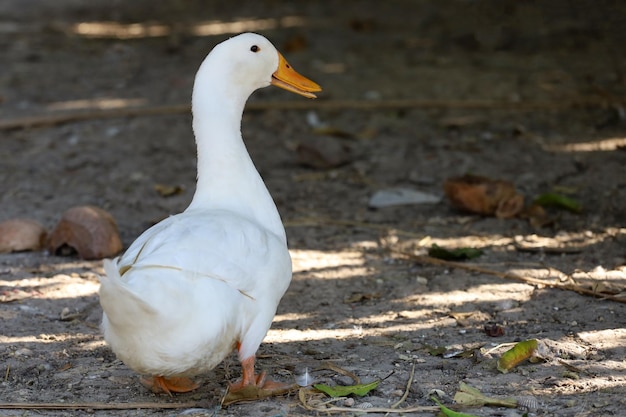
[393,371]
[529,106]
[573,368]
[408,388]
[69,117]
[501,345]
[100,406]
[509,275]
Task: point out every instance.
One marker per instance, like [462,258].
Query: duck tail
[119,302]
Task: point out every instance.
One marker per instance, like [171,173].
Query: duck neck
[227,177]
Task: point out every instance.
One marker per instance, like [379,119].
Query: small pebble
[23,352]
[348,402]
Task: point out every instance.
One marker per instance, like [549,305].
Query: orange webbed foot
[161,384]
[253,386]
[259,382]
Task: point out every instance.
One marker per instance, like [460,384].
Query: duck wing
[214,244]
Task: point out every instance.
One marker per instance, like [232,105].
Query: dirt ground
[355,302]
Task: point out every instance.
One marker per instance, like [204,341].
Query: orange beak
[286,77]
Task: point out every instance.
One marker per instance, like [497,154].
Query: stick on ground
[53,119]
[101,406]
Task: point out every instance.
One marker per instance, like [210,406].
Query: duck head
[249,62]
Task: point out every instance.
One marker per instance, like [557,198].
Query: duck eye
[255,48]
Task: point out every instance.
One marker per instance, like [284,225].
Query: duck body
[206,281]
[185,302]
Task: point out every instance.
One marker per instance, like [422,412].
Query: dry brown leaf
[21,235]
[510,207]
[88,230]
[484,196]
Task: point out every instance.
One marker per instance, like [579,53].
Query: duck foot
[253,387]
[161,384]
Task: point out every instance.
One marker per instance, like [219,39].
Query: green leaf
[472,397]
[558,201]
[345,390]
[517,354]
[449,412]
[459,254]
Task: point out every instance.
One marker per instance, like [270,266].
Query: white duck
[201,283]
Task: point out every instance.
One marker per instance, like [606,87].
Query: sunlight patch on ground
[43,338]
[120,30]
[610,144]
[356,332]
[605,339]
[93,344]
[469,241]
[293,335]
[55,287]
[291,317]
[608,377]
[601,273]
[219,28]
[343,264]
[570,239]
[107,29]
[484,293]
[96,104]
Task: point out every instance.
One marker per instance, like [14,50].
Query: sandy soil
[354,301]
